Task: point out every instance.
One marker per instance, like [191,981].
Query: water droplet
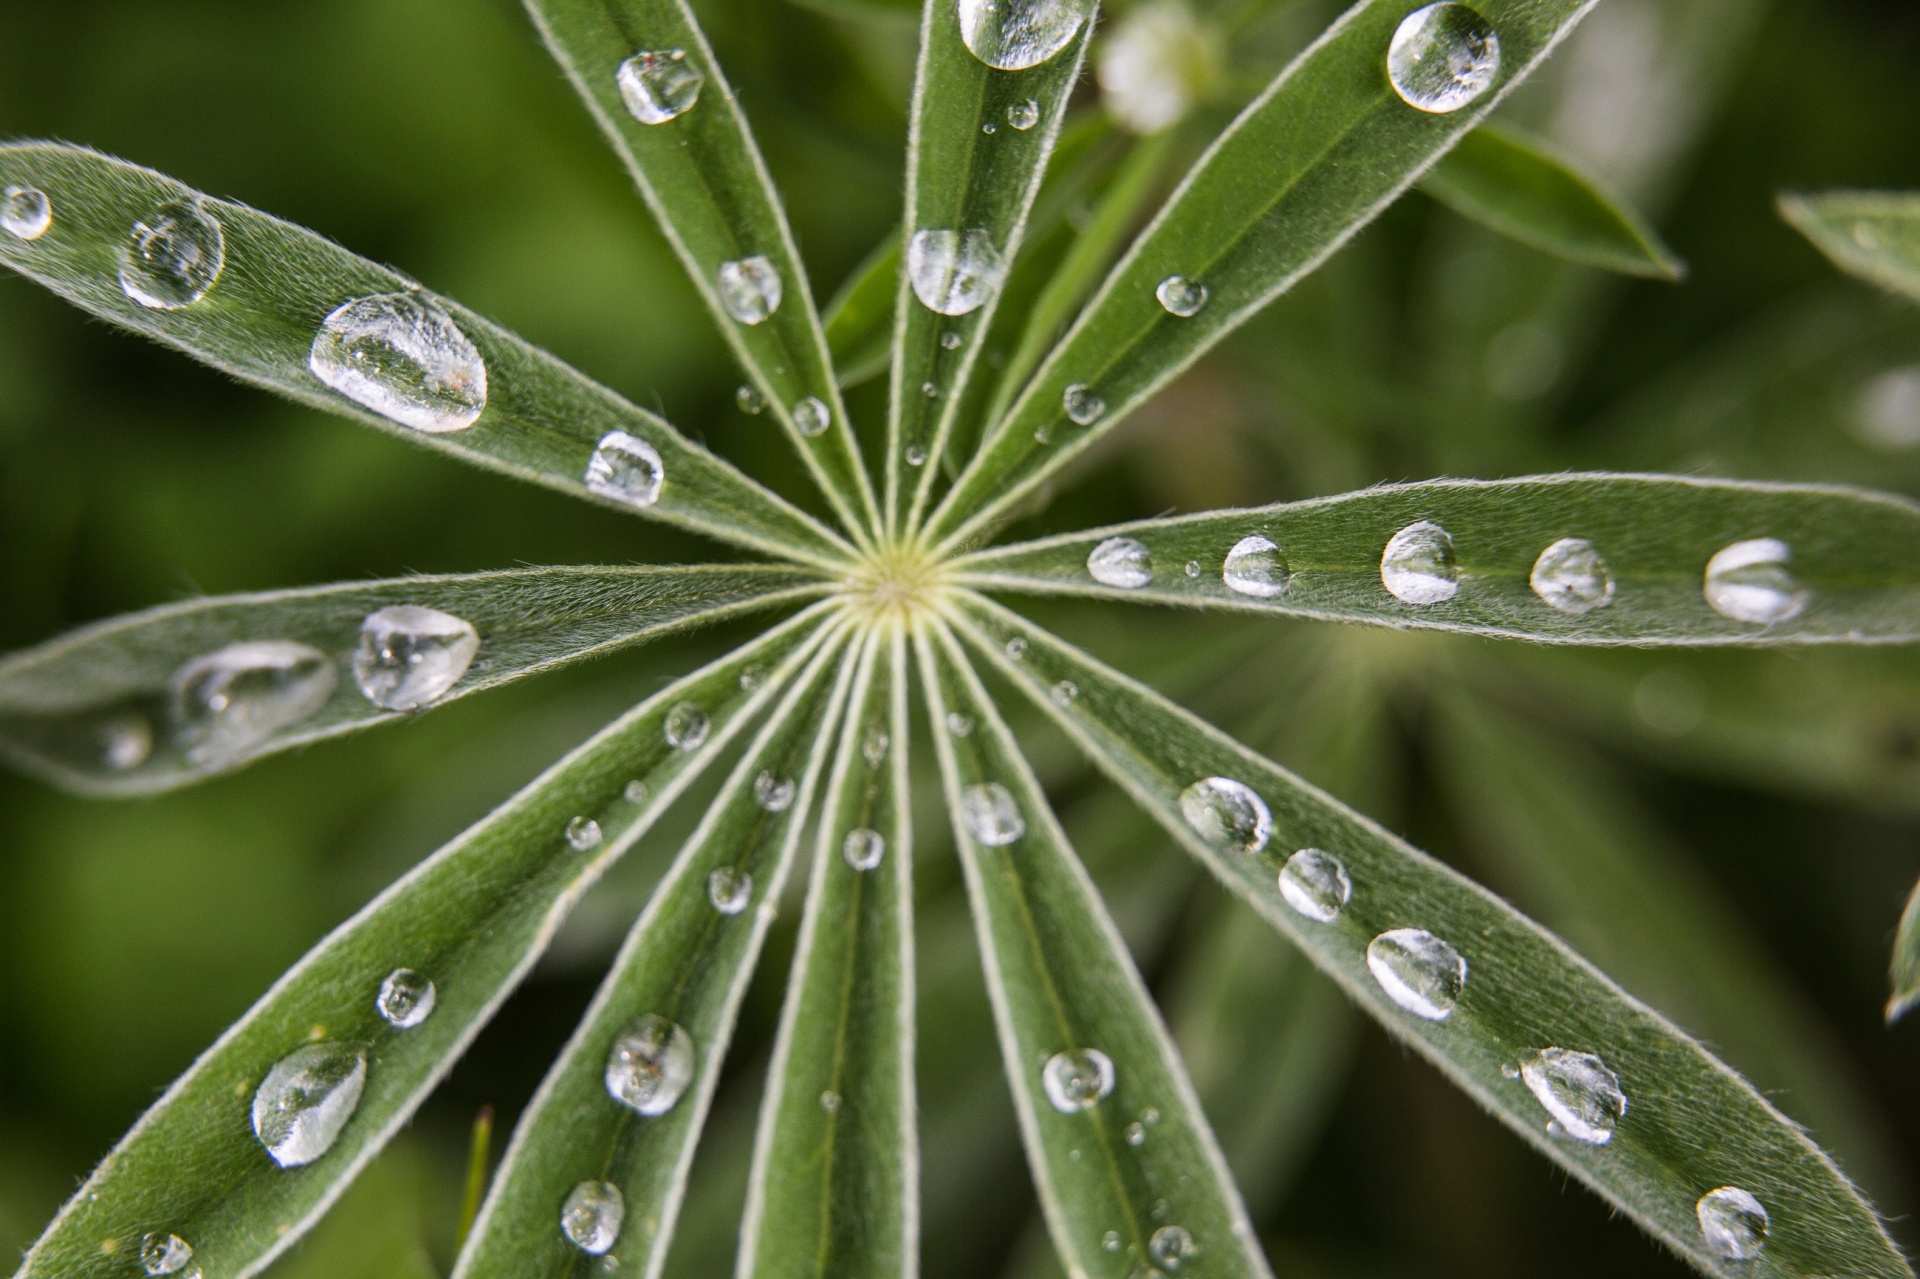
[863,848]
[405,359]
[1082,405]
[658,85]
[1578,1091]
[306,1099]
[26,213]
[164,1254]
[125,741]
[650,1065]
[749,288]
[228,702]
[1159,1210]
[750,400]
[1734,1223]
[1017,647]
[959,724]
[874,748]
[811,416]
[929,390]
[409,656]
[915,455]
[1193,568]
[1571,576]
[1443,57]
[1077,1079]
[730,889]
[752,679]
[1136,1133]
[1064,693]
[1417,566]
[1256,568]
[1887,411]
[627,469]
[1111,1241]
[1024,115]
[406,998]
[950,340]
[775,794]
[1227,814]
[1012,35]
[1315,884]
[1181,296]
[173,256]
[1121,562]
[1749,582]
[1151,1115]
[1170,1246]
[583,834]
[989,128]
[592,1215]
[829,1101]
[635,792]
[687,727]
[1418,971]
[954,272]
[990,815]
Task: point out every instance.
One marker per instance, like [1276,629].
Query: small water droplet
[173,255]
[863,848]
[1571,576]
[874,748]
[750,288]
[1886,411]
[1170,1246]
[306,1099]
[592,1215]
[1418,971]
[1082,405]
[950,340]
[1315,884]
[929,390]
[658,84]
[915,455]
[1443,57]
[990,815]
[409,656]
[1151,1115]
[1193,568]
[125,741]
[751,402]
[954,271]
[1508,1070]
[1578,1090]
[1227,814]
[1255,567]
[1024,115]
[635,791]
[1121,562]
[650,1065]
[406,998]
[1064,693]
[1180,296]
[829,1101]
[583,834]
[1012,35]
[1017,647]
[687,727]
[811,416]
[1417,567]
[1136,1133]
[230,701]
[1734,1223]
[164,1254]
[25,212]
[775,794]
[405,359]
[1750,582]
[1159,1210]
[627,469]
[730,889]
[959,724]
[752,679]
[1077,1079]
[1111,1241]
[989,128]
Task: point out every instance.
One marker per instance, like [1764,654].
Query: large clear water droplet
[1419,972]
[229,702]
[1443,57]
[1315,884]
[954,272]
[811,416]
[583,834]
[730,889]
[409,656]
[773,793]
[1180,296]
[1081,404]
[1750,582]
[173,256]
[1571,576]
[627,469]
[1169,1246]
[990,815]
[406,998]
[1121,562]
[1077,1079]
[405,359]
[1255,567]
[1734,1223]
[1024,115]
[1227,814]
[306,1099]
[650,1065]
[750,288]
[1012,35]
[658,84]
[863,848]
[592,1215]
[1578,1090]
[25,212]
[1417,567]
[164,1254]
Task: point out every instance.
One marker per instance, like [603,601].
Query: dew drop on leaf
[1571,576]
[811,416]
[1417,567]
[990,815]
[729,889]
[173,255]
[1064,693]
[626,469]
[410,656]
[1443,57]
[1136,1133]
[1315,884]
[592,1215]
[1255,567]
[1121,562]
[635,792]
[1578,1090]
[1024,115]
[959,723]
[863,848]
[658,85]
[929,390]
[164,1254]
[1750,582]
[1180,296]
[1077,1079]
[404,359]
[954,272]
[306,1099]
[775,794]
[1111,1241]
[650,1065]
[230,701]
[583,834]
[750,288]
[1193,568]
[25,212]
[687,727]
[1016,647]
[1418,971]
[1012,35]
[951,340]
[915,455]
[1734,1223]
[1227,814]
[1082,405]
[751,402]
[1169,1246]
[406,998]
[874,748]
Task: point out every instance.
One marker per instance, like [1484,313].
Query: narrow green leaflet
[162,698]
[599,1160]
[1640,1113]
[1308,163]
[1569,559]
[1128,1172]
[1517,185]
[835,1185]
[989,94]
[859,319]
[280,307]
[250,1146]
[1904,972]
[646,72]
[1874,235]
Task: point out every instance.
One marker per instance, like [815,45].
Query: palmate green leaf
[1516,184]
[859,319]
[1309,162]
[1844,564]
[123,707]
[666,1010]
[471,919]
[278,284]
[700,172]
[1494,1001]
[1128,1173]
[1904,972]
[1874,235]
[835,1184]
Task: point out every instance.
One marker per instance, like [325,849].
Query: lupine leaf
[262,317]
[115,708]
[835,1184]
[687,961]
[1904,972]
[1488,1008]
[1517,186]
[701,174]
[1852,572]
[472,919]
[1128,1173]
[1874,235]
[1306,165]
[859,319]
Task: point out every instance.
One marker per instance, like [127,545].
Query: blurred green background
[1731,835]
